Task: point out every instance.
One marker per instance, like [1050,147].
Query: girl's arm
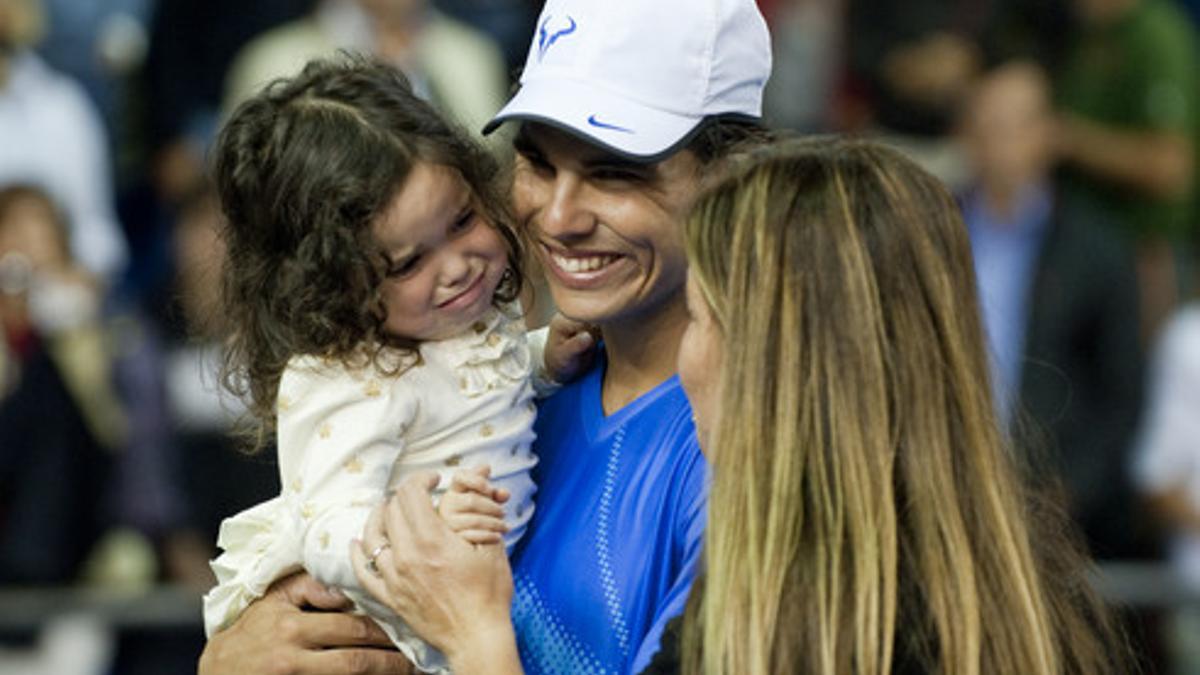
[561,352]
[340,433]
[454,594]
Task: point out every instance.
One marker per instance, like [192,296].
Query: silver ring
[374,555]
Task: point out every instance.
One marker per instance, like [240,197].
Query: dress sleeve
[692,509]
[543,384]
[340,434]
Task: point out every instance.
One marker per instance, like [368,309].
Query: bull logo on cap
[547,39]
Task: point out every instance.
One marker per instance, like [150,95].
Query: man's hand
[299,627]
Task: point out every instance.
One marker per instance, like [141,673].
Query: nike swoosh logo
[605,125]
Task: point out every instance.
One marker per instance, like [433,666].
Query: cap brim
[625,128]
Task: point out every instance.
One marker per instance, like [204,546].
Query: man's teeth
[575,265]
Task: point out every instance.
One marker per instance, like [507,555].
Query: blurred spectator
[909,63]
[98,43]
[456,67]
[52,136]
[1059,300]
[807,57]
[192,43]
[509,22]
[1167,466]
[172,115]
[1128,100]
[59,427]
[219,479]
[84,443]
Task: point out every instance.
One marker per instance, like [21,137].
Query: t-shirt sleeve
[692,510]
[340,434]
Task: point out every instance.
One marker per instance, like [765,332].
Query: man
[1129,104]
[622,106]
[1059,298]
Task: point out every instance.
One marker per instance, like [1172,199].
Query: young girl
[371,283]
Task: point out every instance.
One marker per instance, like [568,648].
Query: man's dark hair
[718,137]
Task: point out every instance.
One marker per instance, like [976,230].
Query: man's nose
[565,215]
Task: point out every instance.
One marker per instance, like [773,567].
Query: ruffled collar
[493,348]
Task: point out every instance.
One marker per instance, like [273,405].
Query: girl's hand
[472,507]
[455,595]
[569,348]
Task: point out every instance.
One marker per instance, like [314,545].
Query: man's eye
[535,158]
[621,175]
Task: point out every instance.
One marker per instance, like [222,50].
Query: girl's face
[700,357]
[445,258]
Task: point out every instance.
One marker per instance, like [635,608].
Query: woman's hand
[454,594]
[281,633]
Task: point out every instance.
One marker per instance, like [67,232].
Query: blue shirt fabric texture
[1006,250]
[617,533]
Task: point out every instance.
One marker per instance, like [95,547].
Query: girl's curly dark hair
[302,170]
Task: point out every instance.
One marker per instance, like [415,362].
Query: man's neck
[641,354]
[1010,200]
[1001,198]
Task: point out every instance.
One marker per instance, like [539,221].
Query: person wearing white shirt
[52,137]
[1166,466]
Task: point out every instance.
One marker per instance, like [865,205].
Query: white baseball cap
[637,77]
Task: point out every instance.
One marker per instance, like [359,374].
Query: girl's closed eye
[465,221]
[404,266]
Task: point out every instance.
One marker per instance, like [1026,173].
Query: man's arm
[1155,163]
[301,628]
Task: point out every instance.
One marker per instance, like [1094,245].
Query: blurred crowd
[1068,128]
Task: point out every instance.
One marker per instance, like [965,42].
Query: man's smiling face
[607,230]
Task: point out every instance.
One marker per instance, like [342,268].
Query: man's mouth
[576,264]
[579,264]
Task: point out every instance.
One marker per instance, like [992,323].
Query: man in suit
[1059,298]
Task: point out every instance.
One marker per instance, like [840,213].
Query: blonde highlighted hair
[867,515]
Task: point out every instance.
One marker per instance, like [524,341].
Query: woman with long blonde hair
[866,513]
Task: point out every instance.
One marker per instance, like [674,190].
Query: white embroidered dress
[346,436]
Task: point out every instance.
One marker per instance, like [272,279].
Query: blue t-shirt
[616,535]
